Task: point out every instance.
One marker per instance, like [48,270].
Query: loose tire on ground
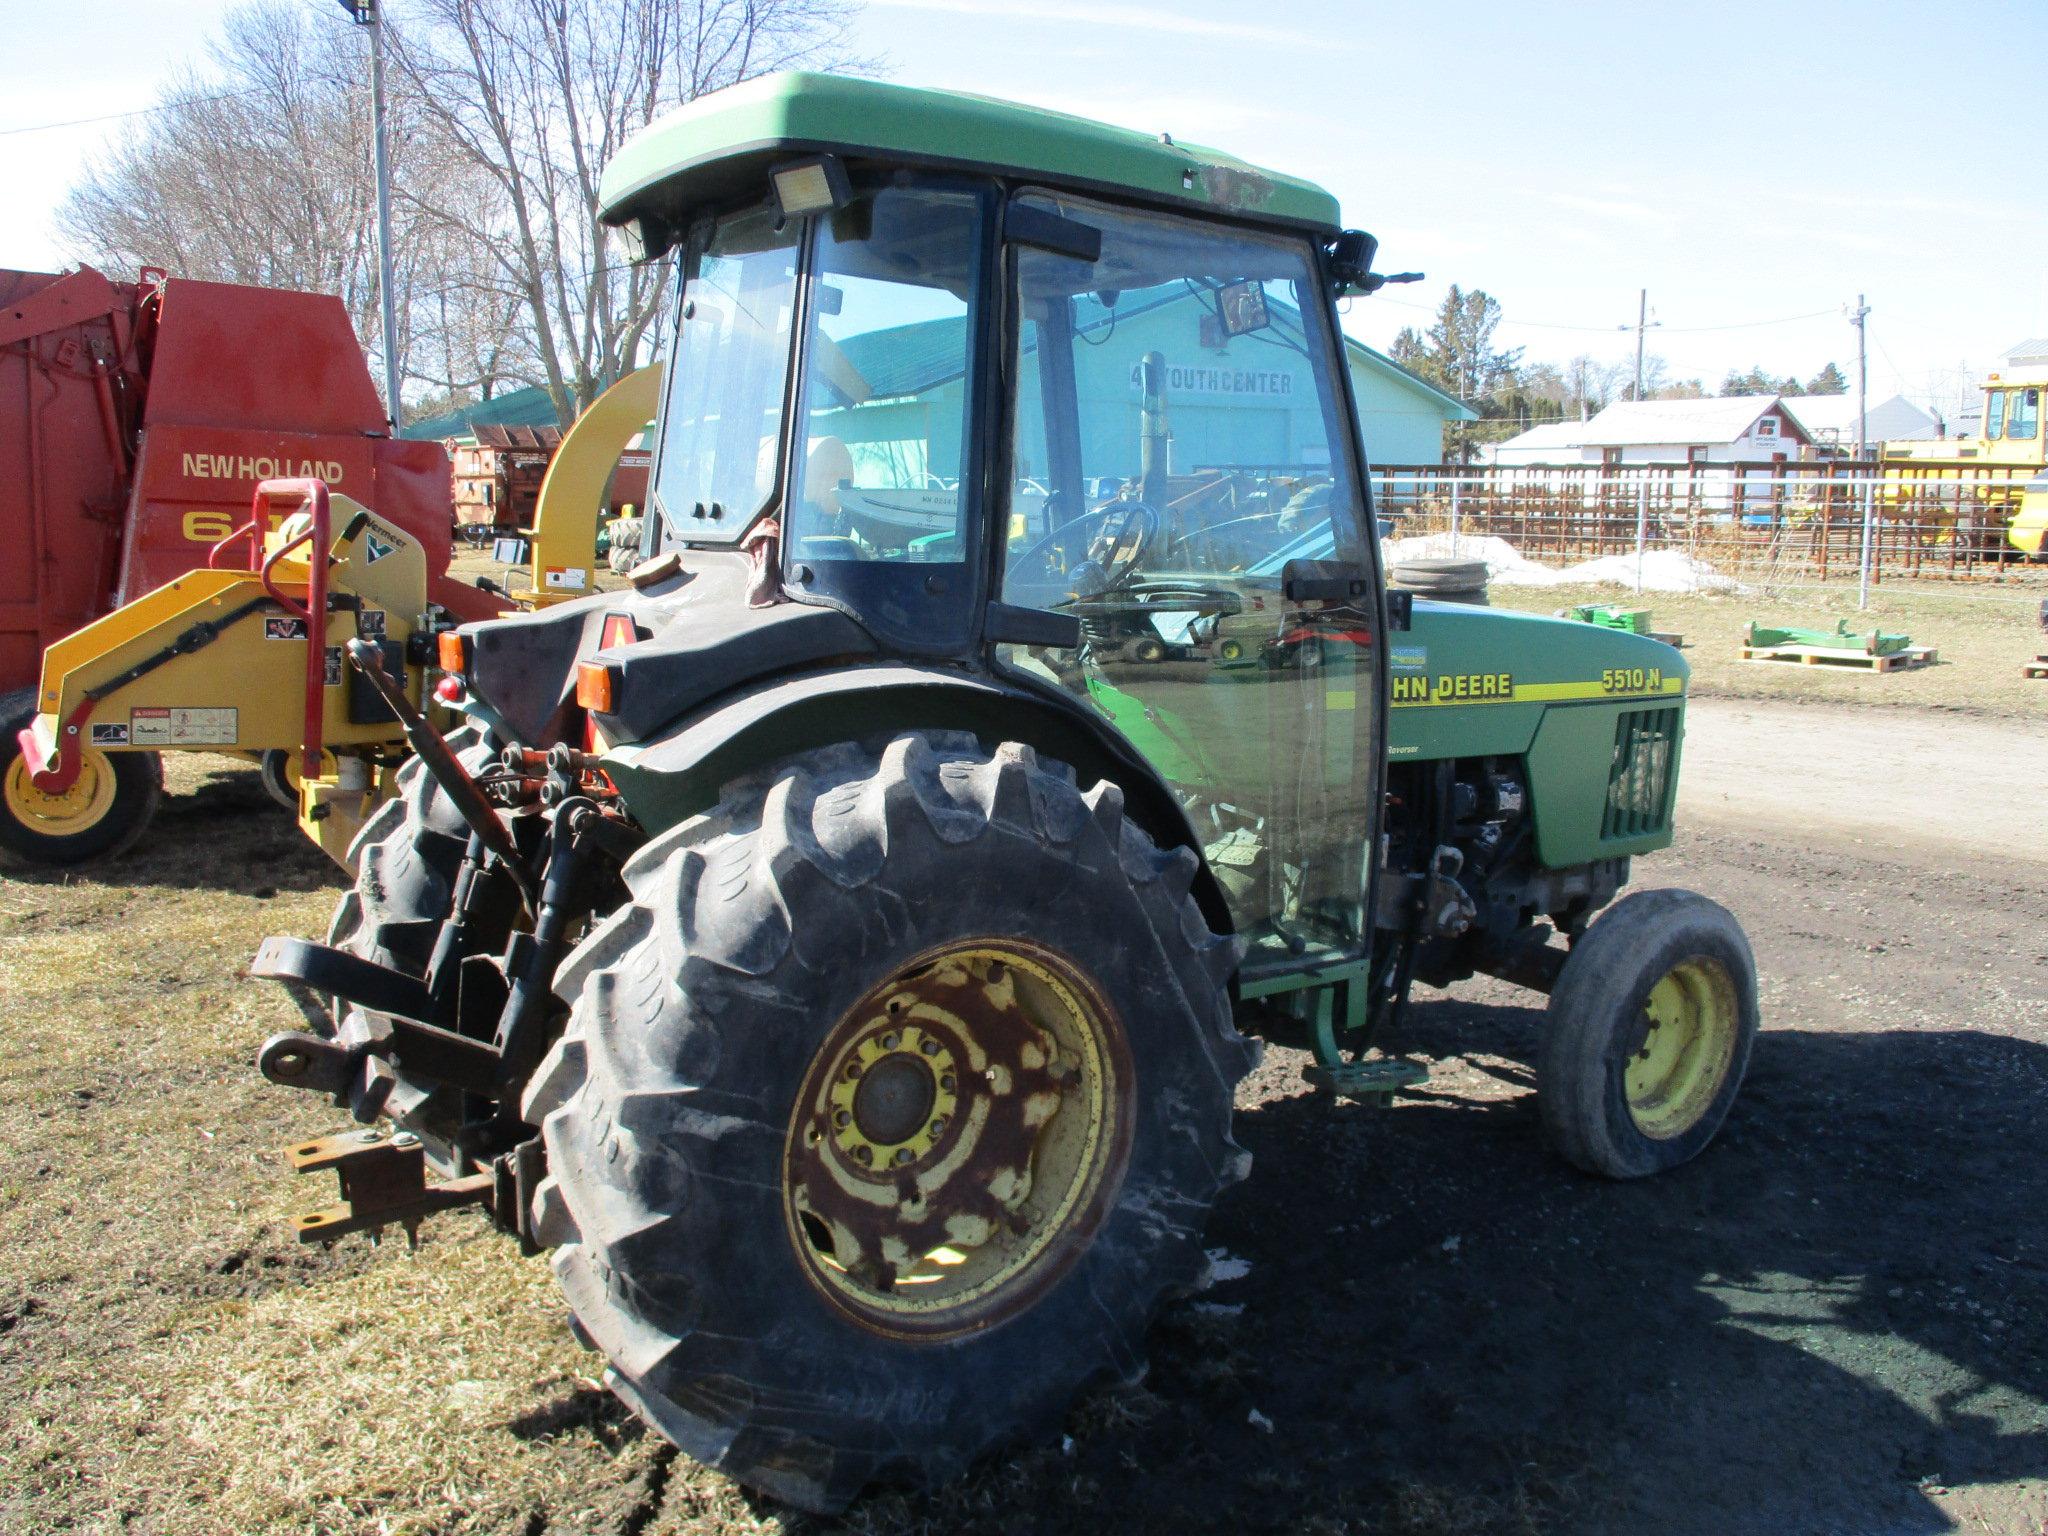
[100,816]
[623,553]
[1648,1035]
[688,1106]
[1450,581]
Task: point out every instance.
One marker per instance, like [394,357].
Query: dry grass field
[1982,633]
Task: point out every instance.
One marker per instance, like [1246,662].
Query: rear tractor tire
[892,1104]
[1649,1034]
[106,809]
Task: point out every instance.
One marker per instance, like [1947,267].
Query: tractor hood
[692,637]
[1467,681]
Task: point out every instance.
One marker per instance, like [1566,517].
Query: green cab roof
[718,148]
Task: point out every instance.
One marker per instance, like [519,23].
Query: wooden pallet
[2038,667]
[1840,657]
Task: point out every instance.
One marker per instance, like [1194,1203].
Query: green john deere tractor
[841,949]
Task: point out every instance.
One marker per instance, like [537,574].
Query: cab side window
[2023,415]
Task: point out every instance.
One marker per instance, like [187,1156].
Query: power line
[114,117]
[1682,330]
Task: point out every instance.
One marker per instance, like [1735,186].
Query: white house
[1732,429]
[1831,420]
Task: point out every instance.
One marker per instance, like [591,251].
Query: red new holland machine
[136,421]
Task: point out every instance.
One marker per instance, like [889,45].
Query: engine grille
[1639,783]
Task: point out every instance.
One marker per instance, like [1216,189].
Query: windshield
[722,419]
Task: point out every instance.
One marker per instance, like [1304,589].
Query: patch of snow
[1664,570]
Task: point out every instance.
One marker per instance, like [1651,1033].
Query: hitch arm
[383,1181]
[445,770]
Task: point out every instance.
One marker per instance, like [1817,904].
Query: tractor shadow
[1839,1311]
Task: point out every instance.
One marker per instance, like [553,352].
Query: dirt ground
[1834,1321]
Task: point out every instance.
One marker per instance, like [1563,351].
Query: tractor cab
[1092,439]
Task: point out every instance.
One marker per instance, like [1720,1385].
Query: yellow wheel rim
[1691,1022]
[956,1138]
[68,812]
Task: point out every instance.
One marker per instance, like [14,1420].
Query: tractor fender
[680,772]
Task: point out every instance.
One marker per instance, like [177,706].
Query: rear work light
[595,684]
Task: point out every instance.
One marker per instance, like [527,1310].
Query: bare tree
[536,95]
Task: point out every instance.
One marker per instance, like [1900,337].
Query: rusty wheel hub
[955,1134]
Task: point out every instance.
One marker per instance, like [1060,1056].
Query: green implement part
[1633,621]
[704,153]
[1876,643]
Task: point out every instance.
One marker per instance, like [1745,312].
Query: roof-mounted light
[810,186]
[643,238]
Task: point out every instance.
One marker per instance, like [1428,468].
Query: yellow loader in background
[1990,487]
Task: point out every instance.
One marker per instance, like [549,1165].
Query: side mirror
[1400,610]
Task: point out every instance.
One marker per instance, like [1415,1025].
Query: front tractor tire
[101,816]
[892,1104]
[1649,1034]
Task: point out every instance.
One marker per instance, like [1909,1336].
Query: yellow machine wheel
[1692,1025]
[946,1147]
[100,814]
[1649,1034]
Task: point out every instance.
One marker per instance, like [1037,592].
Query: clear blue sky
[1746,162]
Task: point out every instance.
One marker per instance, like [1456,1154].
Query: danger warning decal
[181,727]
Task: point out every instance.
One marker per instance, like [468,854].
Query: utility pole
[366,13]
[1857,319]
[1642,321]
[1862,374]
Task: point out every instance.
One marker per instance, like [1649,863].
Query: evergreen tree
[1457,354]
[1828,381]
[1757,382]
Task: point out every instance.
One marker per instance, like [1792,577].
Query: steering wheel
[1125,530]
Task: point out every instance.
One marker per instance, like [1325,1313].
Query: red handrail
[313,494]
[252,530]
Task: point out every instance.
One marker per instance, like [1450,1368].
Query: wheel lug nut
[903,1155]
[863,1155]
[841,1118]
[891,1040]
[853,1069]
[939,1127]
[929,1046]
[948,1082]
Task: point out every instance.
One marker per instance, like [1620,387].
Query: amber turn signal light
[594,687]
[452,651]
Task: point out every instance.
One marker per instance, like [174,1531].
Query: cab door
[1181,418]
